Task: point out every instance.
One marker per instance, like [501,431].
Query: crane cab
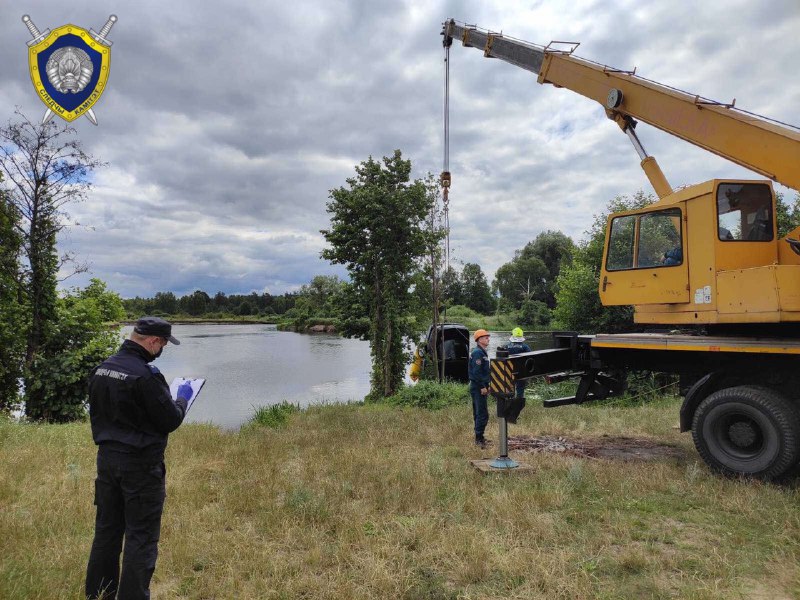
[708,253]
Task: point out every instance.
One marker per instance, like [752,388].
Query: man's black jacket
[130,406]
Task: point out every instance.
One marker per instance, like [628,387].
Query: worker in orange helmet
[479,385]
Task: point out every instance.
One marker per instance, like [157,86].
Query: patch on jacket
[103,372]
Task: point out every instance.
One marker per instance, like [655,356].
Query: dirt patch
[605,447]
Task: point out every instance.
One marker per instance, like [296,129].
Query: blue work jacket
[517,348]
[479,367]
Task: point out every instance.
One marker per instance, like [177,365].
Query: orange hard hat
[480,333]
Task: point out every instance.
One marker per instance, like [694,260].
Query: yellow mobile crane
[706,257]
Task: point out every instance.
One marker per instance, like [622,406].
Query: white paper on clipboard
[196,383]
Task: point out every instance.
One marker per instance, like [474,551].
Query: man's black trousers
[130,499]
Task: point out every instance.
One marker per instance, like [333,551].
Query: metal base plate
[484,465]
[503,462]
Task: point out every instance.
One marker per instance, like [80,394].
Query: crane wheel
[748,430]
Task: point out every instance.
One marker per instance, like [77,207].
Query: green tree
[533,272]
[46,169]
[319,297]
[578,305]
[477,294]
[220,301]
[195,303]
[535,314]
[136,307]
[555,250]
[378,232]
[452,290]
[245,309]
[108,304]
[165,302]
[788,216]
[553,247]
[42,299]
[81,338]
[522,279]
[12,317]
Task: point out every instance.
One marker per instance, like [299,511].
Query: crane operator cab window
[744,212]
[645,241]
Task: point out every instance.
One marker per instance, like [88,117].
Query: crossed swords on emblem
[100,38]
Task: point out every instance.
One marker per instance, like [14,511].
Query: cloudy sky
[225,128]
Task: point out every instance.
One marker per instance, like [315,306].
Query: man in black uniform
[132,413]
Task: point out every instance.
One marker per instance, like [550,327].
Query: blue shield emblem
[69,68]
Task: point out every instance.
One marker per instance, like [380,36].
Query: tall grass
[275,415]
[371,501]
[431,395]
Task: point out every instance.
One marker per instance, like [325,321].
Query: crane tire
[748,430]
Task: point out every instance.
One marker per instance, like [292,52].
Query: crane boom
[766,147]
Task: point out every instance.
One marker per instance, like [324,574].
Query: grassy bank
[381,502]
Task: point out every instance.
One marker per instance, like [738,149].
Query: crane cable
[445,177]
[444,180]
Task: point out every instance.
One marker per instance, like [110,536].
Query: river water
[248,366]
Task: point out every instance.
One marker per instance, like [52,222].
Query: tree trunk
[387,360]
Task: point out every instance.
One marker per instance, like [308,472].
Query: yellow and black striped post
[502,378]
[502,387]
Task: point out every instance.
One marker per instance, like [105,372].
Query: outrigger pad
[484,465]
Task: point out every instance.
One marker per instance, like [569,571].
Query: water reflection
[247,366]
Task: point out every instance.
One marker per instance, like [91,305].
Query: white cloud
[226,127]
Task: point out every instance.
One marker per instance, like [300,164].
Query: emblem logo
[69,68]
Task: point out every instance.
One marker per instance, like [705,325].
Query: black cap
[155,326]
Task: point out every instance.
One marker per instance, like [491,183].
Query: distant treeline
[200,304]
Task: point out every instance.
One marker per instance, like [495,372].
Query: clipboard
[196,383]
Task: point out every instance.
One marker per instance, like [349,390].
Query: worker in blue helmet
[517,345]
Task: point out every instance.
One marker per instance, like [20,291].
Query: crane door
[645,259]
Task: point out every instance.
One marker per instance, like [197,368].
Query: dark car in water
[452,343]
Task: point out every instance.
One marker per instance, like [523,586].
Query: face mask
[160,350]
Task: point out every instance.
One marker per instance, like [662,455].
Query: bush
[535,314]
[501,321]
[431,395]
[579,309]
[459,311]
[645,386]
[58,377]
[274,416]
[298,317]
[321,321]
[218,315]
